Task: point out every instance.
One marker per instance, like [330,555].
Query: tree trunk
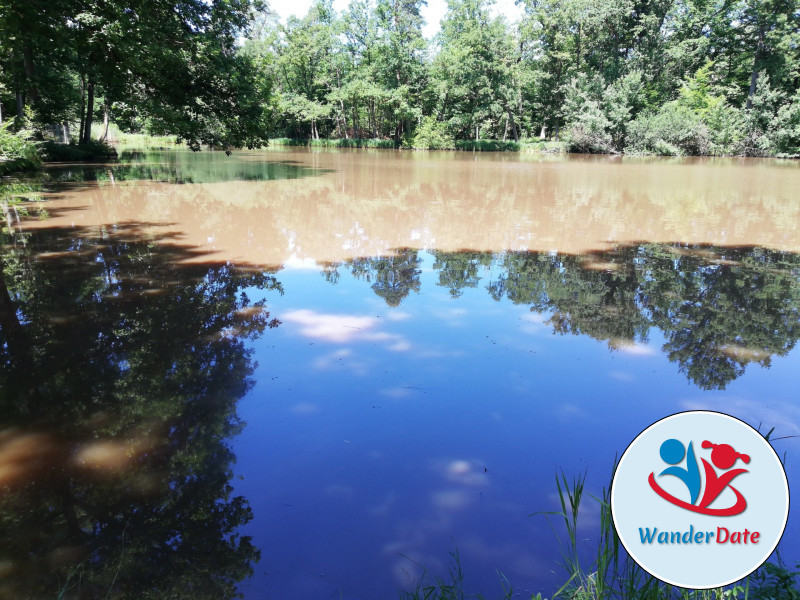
[20,106]
[105,120]
[477,131]
[543,132]
[83,109]
[344,118]
[30,72]
[87,134]
[513,125]
[756,63]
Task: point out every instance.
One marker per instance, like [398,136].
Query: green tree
[472,73]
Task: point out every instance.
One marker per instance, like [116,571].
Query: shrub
[547,147]
[674,128]
[787,130]
[726,129]
[94,150]
[488,145]
[17,146]
[589,131]
[432,135]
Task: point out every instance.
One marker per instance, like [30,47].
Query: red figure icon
[724,457]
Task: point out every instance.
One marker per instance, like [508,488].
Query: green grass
[488,145]
[334,143]
[452,587]
[142,141]
[465,145]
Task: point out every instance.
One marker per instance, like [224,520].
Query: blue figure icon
[672,452]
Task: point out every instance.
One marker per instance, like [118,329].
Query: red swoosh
[737,508]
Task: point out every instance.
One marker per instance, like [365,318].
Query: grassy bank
[465,145]
[141,141]
[334,143]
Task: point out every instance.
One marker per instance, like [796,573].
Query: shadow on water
[718,308]
[120,370]
[183,167]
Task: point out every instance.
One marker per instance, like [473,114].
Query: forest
[667,77]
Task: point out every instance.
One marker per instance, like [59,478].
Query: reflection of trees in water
[182,167]
[719,309]
[393,277]
[460,270]
[120,370]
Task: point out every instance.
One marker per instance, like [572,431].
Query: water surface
[349,364]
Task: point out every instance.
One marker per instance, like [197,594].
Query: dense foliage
[665,77]
[170,66]
[676,77]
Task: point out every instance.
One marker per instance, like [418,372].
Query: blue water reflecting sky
[381,438]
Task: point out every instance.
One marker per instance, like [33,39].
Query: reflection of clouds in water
[629,347]
[468,472]
[296,263]
[535,323]
[783,416]
[621,376]
[394,315]
[457,512]
[385,506]
[569,412]
[452,317]
[396,392]
[439,354]
[744,354]
[305,408]
[344,329]
[412,553]
[452,499]
[508,557]
[342,358]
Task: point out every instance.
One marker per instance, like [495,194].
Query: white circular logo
[699,499]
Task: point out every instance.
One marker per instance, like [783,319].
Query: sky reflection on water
[388,416]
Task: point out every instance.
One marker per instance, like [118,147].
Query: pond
[303,374]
